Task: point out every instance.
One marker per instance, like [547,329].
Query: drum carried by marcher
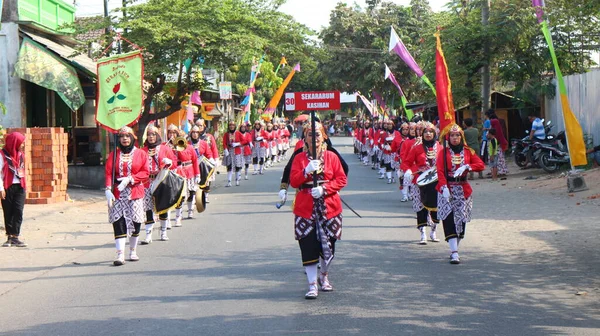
[426,183]
[167,190]
[207,169]
[200,200]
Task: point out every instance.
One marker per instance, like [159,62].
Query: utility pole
[107,29]
[485,70]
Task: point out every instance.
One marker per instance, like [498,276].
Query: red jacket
[332,173]
[407,145]
[139,172]
[246,142]
[155,163]
[470,158]
[213,151]
[260,134]
[229,139]
[270,137]
[397,145]
[201,148]
[285,135]
[299,144]
[416,160]
[383,141]
[187,162]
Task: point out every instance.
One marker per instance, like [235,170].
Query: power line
[356,50]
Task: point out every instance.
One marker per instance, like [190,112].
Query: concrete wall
[91,177]
[10,86]
[584,98]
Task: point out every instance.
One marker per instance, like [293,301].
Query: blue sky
[312,13]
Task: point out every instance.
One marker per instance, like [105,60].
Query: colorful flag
[400,49]
[443,86]
[389,75]
[573,130]
[120,90]
[195,99]
[281,64]
[368,104]
[279,93]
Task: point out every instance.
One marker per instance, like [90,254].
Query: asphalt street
[236,270]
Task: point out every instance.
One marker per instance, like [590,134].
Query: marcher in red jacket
[232,153]
[404,166]
[247,144]
[454,200]
[187,166]
[159,157]
[421,158]
[126,201]
[386,139]
[259,150]
[318,208]
[212,154]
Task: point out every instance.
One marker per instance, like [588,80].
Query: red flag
[443,86]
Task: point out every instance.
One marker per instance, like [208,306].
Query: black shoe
[8,243]
[16,242]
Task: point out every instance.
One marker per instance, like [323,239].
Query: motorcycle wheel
[548,167]
[520,160]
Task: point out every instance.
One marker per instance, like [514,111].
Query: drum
[427,183]
[167,191]
[200,200]
[427,177]
[207,170]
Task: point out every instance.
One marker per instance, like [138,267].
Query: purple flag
[379,99]
[389,75]
[400,49]
[539,11]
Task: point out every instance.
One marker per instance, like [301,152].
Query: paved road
[235,270]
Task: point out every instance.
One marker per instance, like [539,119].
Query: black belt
[185,163]
[310,185]
[457,179]
[152,176]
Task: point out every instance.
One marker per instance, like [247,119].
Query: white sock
[178,212]
[133,241]
[453,242]
[229,174]
[149,228]
[238,176]
[163,224]
[255,167]
[405,192]
[325,268]
[120,244]
[311,273]
[389,175]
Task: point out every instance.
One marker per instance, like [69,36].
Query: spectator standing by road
[12,187]
[493,152]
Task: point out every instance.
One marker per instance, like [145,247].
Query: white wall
[584,96]
[10,85]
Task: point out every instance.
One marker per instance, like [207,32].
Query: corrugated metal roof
[80,61]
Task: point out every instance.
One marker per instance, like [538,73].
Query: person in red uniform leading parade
[454,200]
[318,208]
[126,201]
[13,186]
[159,156]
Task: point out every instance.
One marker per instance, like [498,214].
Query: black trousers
[12,205]
[120,228]
[422,217]
[311,249]
[450,228]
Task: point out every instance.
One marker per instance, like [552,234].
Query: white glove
[282,194]
[259,138]
[198,180]
[446,193]
[387,147]
[371,142]
[235,144]
[251,145]
[167,161]
[408,174]
[317,192]
[124,182]
[212,161]
[461,170]
[389,138]
[110,198]
[225,152]
[313,166]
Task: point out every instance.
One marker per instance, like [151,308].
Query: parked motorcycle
[553,155]
[522,148]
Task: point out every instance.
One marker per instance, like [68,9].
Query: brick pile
[45,164]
